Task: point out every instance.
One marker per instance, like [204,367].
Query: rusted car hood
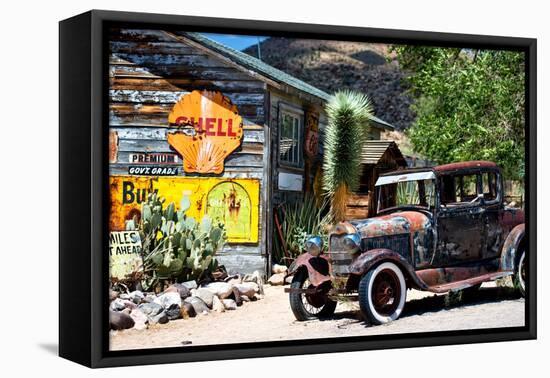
[394,223]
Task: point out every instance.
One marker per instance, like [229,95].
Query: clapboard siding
[156,84]
[171,97]
[147,115]
[127,69]
[125,47]
[138,35]
[149,71]
[150,134]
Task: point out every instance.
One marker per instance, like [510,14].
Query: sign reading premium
[210,129]
[153,158]
[124,253]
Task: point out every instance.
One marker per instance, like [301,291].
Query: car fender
[510,247]
[317,268]
[373,257]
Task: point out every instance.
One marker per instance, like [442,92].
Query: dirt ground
[271,319]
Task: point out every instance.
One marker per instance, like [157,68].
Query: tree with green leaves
[348,124]
[470,105]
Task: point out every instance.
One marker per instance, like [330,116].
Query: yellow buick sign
[233,202]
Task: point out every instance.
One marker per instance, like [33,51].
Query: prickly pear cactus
[175,246]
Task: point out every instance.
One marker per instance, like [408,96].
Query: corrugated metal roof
[373,150]
[268,71]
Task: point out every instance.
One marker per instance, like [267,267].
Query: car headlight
[352,242]
[314,245]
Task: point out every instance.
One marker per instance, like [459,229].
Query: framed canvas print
[234,188]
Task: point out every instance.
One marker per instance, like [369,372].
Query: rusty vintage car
[439,229]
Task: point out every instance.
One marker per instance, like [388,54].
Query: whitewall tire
[382,293]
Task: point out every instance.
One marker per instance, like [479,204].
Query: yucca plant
[348,125]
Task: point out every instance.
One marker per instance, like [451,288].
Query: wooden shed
[378,156]
[260,124]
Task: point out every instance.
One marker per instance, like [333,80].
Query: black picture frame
[83,196]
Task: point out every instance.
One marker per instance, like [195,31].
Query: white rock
[217,304]
[248,288]
[190,284]
[117,305]
[229,304]
[206,295]
[221,289]
[277,279]
[168,299]
[120,304]
[256,277]
[140,319]
[276,269]
[237,279]
[136,296]
[171,302]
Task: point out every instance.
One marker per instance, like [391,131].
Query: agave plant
[298,222]
[348,125]
[175,247]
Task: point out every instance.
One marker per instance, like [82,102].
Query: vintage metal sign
[210,129]
[124,253]
[311,146]
[234,202]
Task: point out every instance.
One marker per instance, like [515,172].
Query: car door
[461,221]
[492,188]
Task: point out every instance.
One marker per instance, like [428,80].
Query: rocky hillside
[334,65]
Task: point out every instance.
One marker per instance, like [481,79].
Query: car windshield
[405,191]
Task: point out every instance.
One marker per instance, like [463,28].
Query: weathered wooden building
[150,73]
[377,157]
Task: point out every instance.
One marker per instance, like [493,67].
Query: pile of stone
[182,300]
[278,276]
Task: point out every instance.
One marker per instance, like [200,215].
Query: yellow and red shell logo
[209,129]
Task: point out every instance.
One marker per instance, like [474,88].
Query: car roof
[450,168]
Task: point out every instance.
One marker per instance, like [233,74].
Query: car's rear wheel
[382,293]
[309,306]
[520,274]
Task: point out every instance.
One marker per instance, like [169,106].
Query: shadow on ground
[436,303]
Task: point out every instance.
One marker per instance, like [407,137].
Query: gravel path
[271,319]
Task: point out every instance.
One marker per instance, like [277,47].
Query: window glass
[290,146]
[406,194]
[459,189]
[489,185]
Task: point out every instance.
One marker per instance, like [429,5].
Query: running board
[464,284]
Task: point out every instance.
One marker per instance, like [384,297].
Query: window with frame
[290,138]
[459,189]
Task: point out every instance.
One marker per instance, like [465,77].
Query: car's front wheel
[382,293]
[521,274]
[309,306]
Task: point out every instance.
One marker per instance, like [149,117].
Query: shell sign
[210,129]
